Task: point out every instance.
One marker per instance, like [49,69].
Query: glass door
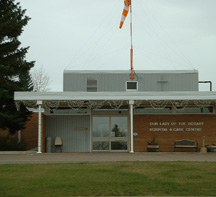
[101,133]
[110,133]
[119,133]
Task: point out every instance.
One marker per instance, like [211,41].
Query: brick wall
[43,134]
[30,133]
[5,133]
[167,128]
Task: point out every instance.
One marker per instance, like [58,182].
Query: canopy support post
[39,103]
[131,103]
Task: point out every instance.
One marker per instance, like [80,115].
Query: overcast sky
[85,35]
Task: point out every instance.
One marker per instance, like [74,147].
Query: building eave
[170,95]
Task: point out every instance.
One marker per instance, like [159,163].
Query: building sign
[176,126]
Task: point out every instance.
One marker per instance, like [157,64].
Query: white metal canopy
[125,96]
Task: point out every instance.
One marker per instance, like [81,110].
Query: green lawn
[109,179]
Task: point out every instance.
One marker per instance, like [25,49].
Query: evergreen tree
[14,69]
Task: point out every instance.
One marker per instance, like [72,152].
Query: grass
[109,179]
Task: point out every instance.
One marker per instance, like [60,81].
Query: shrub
[11,144]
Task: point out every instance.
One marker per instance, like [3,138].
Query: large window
[110,133]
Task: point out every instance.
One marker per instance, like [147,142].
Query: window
[101,127]
[110,133]
[131,85]
[91,85]
[119,126]
[150,110]
[194,110]
[82,110]
[179,110]
[109,108]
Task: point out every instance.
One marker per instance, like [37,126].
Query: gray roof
[128,71]
[196,95]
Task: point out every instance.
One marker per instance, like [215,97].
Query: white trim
[124,95]
[39,103]
[90,130]
[19,136]
[39,126]
[126,83]
[131,103]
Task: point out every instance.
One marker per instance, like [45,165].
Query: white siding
[64,127]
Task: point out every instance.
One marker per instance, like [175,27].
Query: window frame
[126,83]
[87,84]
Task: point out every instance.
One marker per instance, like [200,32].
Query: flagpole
[131,50]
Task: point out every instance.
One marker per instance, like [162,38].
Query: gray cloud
[168,34]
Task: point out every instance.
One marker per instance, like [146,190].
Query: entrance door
[110,133]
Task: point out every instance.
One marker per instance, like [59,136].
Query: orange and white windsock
[127,3]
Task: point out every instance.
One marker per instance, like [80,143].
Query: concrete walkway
[33,157]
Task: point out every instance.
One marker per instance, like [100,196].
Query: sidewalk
[33,157]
